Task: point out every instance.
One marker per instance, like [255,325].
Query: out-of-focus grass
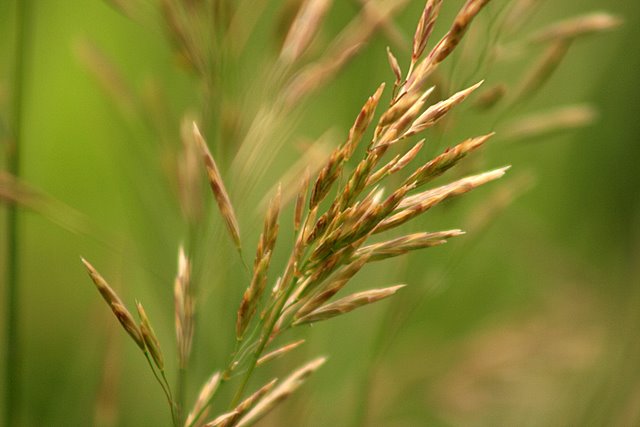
[530,322]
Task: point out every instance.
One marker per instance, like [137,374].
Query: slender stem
[181,385]
[165,389]
[12,345]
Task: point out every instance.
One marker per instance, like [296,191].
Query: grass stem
[12,336]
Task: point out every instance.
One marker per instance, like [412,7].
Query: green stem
[165,389]
[12,345]
[180,391]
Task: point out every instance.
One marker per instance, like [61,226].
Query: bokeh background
[530,319]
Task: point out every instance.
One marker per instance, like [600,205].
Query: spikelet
[424,29]
[218,188]
[445,46]
[287,387]
[543,69]
[300,202]
[183,307]
[150,338]
[437,111]
[417,204]
[229,419]
[347,304]
[254,292]
[329,174]
[446,160]
[402,245]
[279,352]
[204,398]
[115,303]
[332,287]
[395,68]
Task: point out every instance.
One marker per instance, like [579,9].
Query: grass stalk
[12,335]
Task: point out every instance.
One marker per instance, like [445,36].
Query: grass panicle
[343,195]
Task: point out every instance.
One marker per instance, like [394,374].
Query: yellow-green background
[533,322]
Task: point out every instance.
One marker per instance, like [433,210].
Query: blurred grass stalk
[12,334]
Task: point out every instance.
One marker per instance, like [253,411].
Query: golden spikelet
[347,304]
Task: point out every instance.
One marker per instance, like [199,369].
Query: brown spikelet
[425,28]
[184,308]
[445,46]
[446,160]
[407,158]
[150,338]
[395,67]
[417,204]
[218,188]
[327,292]
[204,398]
[303,29]
[279,352]
[404,244]
[230,419]
[347,304]
[437,111]
[287,387]
[115,303]
[332,169]
[300,203]
[254,292]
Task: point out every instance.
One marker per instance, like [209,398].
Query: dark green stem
[12,345]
